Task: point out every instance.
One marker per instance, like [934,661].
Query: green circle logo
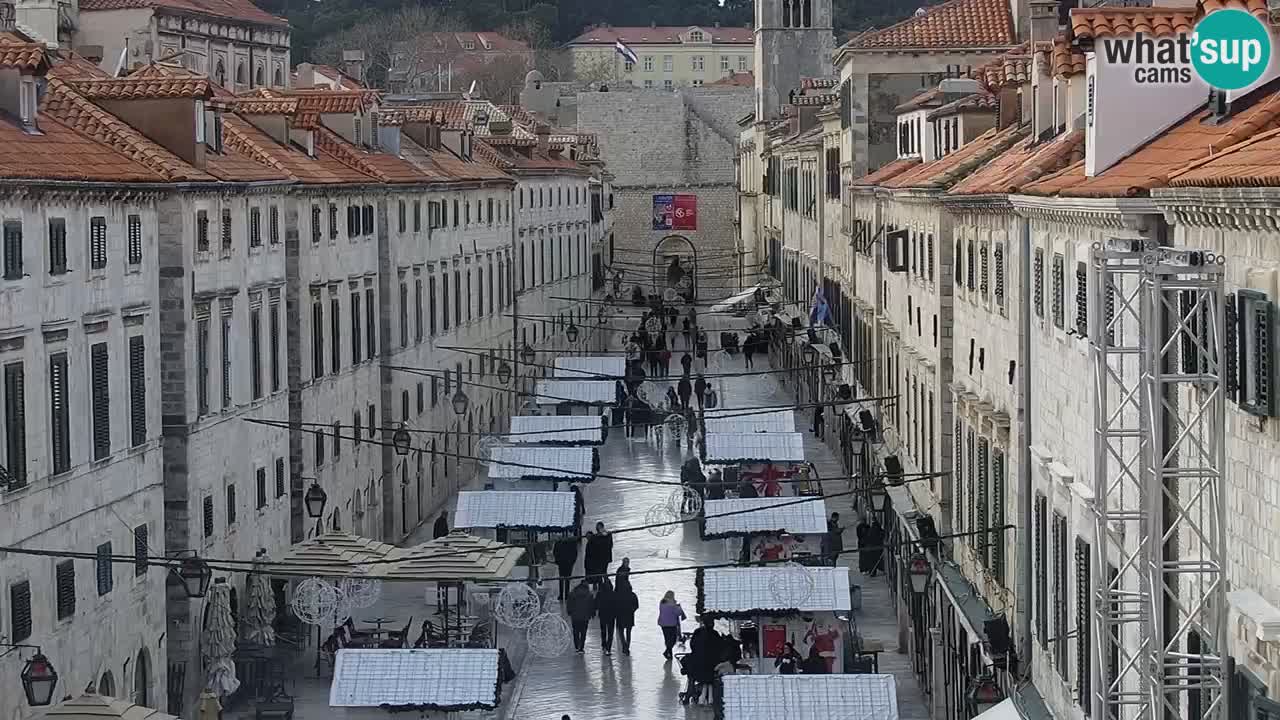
[1230,49]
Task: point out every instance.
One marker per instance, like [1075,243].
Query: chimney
[1044,21]
[543,131]
[955,88]
[352,64]
[1008,106]
[306,75]
[1044,28]
[38,18]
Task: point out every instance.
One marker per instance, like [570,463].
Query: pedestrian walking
[581,607]
[874,548]
[626,603]
[749,348]
[566,554]
[669,616]
[579,507]
[686,362]
[700,390]
[441,527]
[598,555]
[833,543]
[623,573]
[819,422]
[607,611]
[686,334]
[684,389]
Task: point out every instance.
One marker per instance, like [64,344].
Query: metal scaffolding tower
[1159,558]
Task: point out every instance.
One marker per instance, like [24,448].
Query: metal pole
[1025,561]
[515,310]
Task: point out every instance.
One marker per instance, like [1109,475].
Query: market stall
[782,607]
[592,367]
[531,519]
[767,528]
[772,462]
[528,467]
[568,396]
[809,697]
[750,421]
[557,430]
[369,683]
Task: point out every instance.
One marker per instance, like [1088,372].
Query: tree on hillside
[400,39]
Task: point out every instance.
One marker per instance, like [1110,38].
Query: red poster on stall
[685,212]
[773,640]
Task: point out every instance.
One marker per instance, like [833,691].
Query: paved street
[643,686]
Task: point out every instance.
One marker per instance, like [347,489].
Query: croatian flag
[626,52]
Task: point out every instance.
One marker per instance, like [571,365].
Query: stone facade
[794,40]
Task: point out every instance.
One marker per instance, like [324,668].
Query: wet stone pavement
[643,685]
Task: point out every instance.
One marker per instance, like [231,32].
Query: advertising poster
[664,212]
[675,212]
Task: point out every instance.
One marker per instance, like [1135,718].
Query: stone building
[793,41]
[450,61]
[669,57]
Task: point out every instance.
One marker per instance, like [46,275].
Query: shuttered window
[431,305]
[137,390]
[20,611]
[319,440]
[105,577]
[971,492]
[373,420]
[134,253]
[417,215]
[984,271]
[422,399]
[1230,348]
[957,480]
[997,516]
[255,227]
[371,322]
[353,221]
[260,485]
[64,581]
[1255,368]
[404,315]
[317,338]
[357,338]
[316,230]
[1059,271]
[100,400]
[402,215]
[207,516]
[366,217]
[457,297]
[1037,288]
[202,231]
[255,352]
[141,547]
[337,441]
[983,541]
[57,246]
[1083,627]
[280,479]
[12,231]
[273,329]
[335,329]
[202,366]
[226,356]
[1060,602]
[1082,299]
[333,221]
[97,243]
[231,505]
[226,230]
[15,427]
[273,225]
[997,259]
[1042,570]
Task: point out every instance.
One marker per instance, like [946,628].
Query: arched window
[242,76]
[107,685]
[786,13]
[807,12]
[258,74]
[220,74]
[142,679]
[277,78]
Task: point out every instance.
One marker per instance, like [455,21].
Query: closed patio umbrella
[260,609]
[218,642]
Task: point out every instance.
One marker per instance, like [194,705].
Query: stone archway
[675,264]
[142,679]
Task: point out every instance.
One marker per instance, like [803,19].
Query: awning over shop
[810,697]
[456,556]
[736,303]
[744,421]
[754,447]
[541,462]
[556,430]
[748,592]
[441,680]
[584,392]
[743,516]
[516,509]
[595,367]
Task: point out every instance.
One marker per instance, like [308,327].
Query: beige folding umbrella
[90,706]
[454,557]
[336,558]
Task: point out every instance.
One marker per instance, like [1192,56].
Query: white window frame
[648,63]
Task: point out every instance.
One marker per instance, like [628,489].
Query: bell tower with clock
[794,39]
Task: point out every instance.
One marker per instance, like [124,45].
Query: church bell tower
[794,39]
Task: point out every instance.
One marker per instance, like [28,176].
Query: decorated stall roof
[516,509]
[741,421]
[594,367]
[533,462]
[586,392]
[736,517]
[809,697]
[731,592]
[557,430]
[439,680]
[773,447]
[454,557]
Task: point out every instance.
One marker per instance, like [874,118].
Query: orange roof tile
[1252,163]
[953,24]
[322,101]
[242,10]
[954,166]
[1012,68]
[21,55]
[887,172]
[382,166]
[444,164]
[58,152]
[73,66]
[137,88]
[1024,163]
[263,106]
[1067,60]
[1153,164]
[929,98]
[1153,21]
[322,169]
[982,102]
[64,103]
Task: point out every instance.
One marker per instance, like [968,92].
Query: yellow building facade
[667,57]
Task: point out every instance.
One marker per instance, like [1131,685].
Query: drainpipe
[1023,598]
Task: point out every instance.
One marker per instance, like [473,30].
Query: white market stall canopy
[784,447]
[745,421]
[585,392]
[594,367]
[444,680]
[810,697]
[539,462]
[557,429]
[519,509]
[747,592]
[91,706]
[742,516]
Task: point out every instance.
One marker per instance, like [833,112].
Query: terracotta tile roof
[73,66]
[929,98]
[888,172]
[61,153]
[1024,163]
[322,169]
[822,83]
[519,115]
[1066,59]
[421,114]
[954,24]
[1012,68]
[322,101]
[232,165]
[263,106]
[137,88]
[982,102]
[1153,164]
[65,104]
[1153,21]
[382,166]
[15,53]
[486,153]
[444,164]
[344,81]
[462,115]
[661,35]
[737,79]
[241,10]
[951,168]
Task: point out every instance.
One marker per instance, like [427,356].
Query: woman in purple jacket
[669,616]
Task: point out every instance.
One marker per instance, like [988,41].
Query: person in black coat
[579,507]
[684,389]
[700,390]
[625,605]
[788,663]
[814,664]
[441,528]
[598,555]
[686,362]
[607,611]
[874,552]
[706,650]
[581,607]
[819,422]
[749,348]
[566,555]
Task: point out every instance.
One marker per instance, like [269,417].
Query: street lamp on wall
[527,355]
[918,570]
[401,440]
[315,500]
[878,496]
[39,680]
[504,372]
[809,354]
[571,333]
[829,371]
[460,402]
[194,574]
